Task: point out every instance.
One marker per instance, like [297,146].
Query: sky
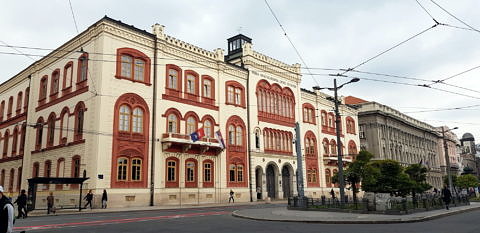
[327,34]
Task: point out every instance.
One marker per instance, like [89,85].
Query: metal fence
[395,205]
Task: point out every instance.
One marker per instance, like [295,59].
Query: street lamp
[447,159]
[337,129]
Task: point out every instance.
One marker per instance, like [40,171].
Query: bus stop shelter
[32,188]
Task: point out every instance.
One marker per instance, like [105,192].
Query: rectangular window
[139,70]
[240,173]
[126,67]
[83,68]
[207,85]
[207,172]
[136,169]
[190,84]
[171,166]
[230,91]
[190,172]
[238,94]
[232,173]
[172,79]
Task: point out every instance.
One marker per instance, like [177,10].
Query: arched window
[14,141]
[333,147]
[64,126]
[22,138]
[122,165]
[235,93]
[82,68]
[239,173]
[79,120]
[208,173]
[325,147]
[35,170]
[328,178]
[61,167]
[43,88]
[25,104]
[276,104]
[172,79]
[133,65]
[136,169]
[231,135]
[171,170]
[2,110]
[19,103]
[76,166]
[5,143]
[11,180]
[190,82]
[51,130]
[39,126]
[48,168]
[19,178]
[124,124]
[173,123]
[55,82]
[191,125]
[10,107]
[2,178]
[67,75]
[191,173]
[232,170]
[308,113]
[239,135]
[208,128]
[352,148]
[137,120]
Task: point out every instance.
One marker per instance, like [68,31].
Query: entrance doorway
[271,184]
[286,181]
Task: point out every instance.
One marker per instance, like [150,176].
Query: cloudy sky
[327,34]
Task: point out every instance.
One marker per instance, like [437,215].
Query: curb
[166,208]
[420,219]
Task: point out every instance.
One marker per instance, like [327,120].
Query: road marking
[117,221]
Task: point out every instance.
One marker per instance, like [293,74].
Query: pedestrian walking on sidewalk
[231,197]
[51,203]
[104,199]
[446,196]
[6,213]
[88,198]
[22,204]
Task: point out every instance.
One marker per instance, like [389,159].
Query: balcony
[184,143]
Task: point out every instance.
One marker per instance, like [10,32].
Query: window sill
[235,105]
[133,80]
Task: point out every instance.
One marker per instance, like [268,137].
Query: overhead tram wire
[73,15]
[389,49]
[291,42]
[427,12]
[455,17]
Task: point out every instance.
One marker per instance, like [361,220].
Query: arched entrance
[271,184]
[258,182]
[287,181]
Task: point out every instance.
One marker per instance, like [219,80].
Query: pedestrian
[104,199]
[51,203]
[22,204]
[446,196]
[231,197]
[332,193]
[6,213]
[88,198]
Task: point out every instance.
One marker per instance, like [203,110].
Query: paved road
[219,219]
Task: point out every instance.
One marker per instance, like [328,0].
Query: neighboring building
[390,134]
[453,147]
[119,104]
[468,155]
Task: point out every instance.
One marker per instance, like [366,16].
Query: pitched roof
[354,100]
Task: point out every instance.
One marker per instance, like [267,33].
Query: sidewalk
[36,213]
[284,215]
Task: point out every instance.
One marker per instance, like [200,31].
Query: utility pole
[338,125]
[298,149]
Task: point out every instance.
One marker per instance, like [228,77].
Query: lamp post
[447,159]
[337,129]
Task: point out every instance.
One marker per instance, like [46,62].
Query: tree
[418,176]
[466,181]
[356,171]
[387,176]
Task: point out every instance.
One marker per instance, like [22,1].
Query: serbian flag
[218,136]
[197,135]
